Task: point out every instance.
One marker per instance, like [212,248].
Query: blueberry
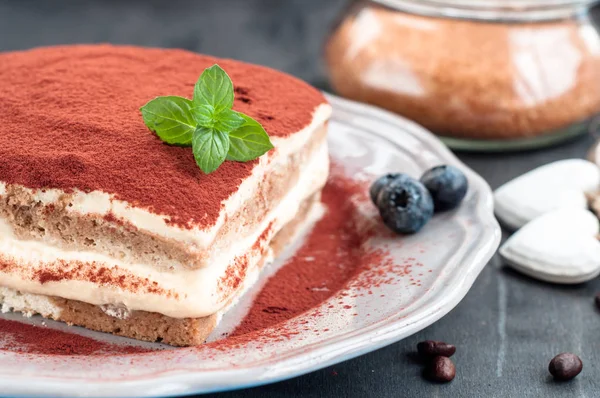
[447,186]
[405,205]
[382,182]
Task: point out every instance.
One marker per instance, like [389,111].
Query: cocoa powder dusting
[234,275]
[70,120]
[237,270]
[42,340]
[332,257]
[75,270]
[319,269]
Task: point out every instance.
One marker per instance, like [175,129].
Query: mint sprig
[207,123]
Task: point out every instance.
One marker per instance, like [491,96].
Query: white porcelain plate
[454,247]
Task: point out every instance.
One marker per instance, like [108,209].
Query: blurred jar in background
[484,74]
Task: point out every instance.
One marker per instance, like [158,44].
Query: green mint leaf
[249,141]
[228,120]
[210,148]
[207,123]
[171,119]
[214,87]
[204,115]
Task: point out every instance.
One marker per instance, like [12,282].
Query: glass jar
[482,74]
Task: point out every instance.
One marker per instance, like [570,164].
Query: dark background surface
[506,329]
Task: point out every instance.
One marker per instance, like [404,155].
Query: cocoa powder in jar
[467,78]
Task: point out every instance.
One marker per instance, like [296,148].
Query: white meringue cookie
[553,186]
[558,247]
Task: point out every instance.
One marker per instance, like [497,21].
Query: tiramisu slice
[104,225]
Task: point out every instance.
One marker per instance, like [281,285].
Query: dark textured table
[506,329]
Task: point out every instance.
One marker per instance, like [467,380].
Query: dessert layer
[142,325]
[35,267]
[95,222]
[70,120]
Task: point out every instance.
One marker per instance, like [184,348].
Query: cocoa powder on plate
[32,339]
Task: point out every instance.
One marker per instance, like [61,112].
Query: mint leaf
[207,123]
[171,119]
[204,115]
[249,141]
[210,148]
[214,87]
[229,120]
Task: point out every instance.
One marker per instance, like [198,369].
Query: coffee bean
[431,348]
[440,369]
[565,366]
[597,300]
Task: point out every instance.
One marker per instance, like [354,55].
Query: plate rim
[188,382]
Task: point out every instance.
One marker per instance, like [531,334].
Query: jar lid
[496,10]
